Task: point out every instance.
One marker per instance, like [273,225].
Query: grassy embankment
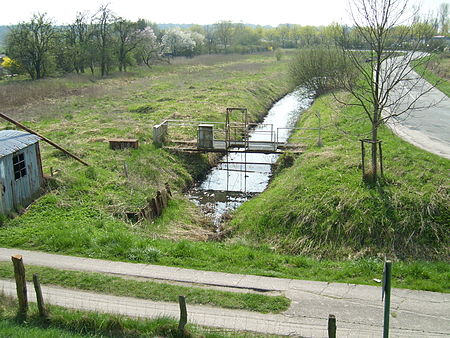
[91,203]
[437,71]
[151,290]
[83,214]
[320,205]
[71,323]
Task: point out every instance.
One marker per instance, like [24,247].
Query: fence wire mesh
[217,320]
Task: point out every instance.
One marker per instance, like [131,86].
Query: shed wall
[20,192]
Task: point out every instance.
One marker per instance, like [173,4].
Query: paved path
[427,124]
[358,308]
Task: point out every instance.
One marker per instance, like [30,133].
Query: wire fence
[294,322]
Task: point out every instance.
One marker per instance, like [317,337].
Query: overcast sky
[263,12]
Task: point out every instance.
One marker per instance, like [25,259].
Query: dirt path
[358,308]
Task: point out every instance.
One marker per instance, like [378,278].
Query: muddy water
[230,184]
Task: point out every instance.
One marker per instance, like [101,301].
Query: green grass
[9,328]
[129,106]
[152,290]
[436,72]
[321,206]
[84,214]
[70,323]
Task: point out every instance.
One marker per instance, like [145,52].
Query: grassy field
[91,203]
[84,212]
[438,72]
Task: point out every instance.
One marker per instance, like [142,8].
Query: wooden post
[159,199]
[125,169]
[319,140]
[331,326]
[381,158]
[362,157]
[21,285]
[183,314]
[387,296]
[157,206]
[167,186]
[39,298]
[164,198]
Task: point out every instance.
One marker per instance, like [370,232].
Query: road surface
[427,124]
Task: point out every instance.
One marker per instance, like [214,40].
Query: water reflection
[241,176]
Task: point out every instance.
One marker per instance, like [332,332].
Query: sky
[262,12]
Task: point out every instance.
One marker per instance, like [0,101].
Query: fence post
[319,140]
[331,326]
[125,169]
[39,298]
[21,285]
[387,296]
[183,314]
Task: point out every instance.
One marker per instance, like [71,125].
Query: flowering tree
[150,50]
[178,42]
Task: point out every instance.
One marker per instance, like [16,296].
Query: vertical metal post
[387,296]
[331,326]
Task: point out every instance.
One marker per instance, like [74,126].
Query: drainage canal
[240,176]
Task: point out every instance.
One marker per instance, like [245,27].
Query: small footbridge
[229,136]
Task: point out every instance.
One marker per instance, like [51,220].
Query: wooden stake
[21,285]
[381,158]
[39,298]
[125,169]
[362,158]
[183,314]
[331,326]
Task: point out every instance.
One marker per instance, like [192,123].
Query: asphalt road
[427,123]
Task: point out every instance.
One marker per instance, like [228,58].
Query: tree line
[102,42]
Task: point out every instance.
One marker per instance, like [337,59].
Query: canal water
[230,184]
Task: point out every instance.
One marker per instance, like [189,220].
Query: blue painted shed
[20,170]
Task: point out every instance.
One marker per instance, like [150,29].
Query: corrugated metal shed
[15,140]
[20,170]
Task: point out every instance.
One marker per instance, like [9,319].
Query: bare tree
[443,17]
[129,38]
[102,21]
[76,37]
[224,33]
[389,87]
[31,43]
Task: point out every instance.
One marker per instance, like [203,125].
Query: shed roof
[15,140]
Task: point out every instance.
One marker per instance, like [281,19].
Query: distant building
[20,170]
